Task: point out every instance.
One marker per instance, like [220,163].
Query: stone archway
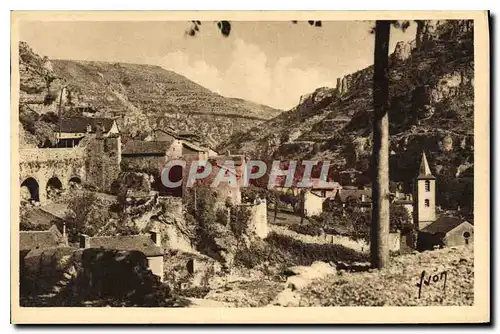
[75,182]
[30,190]
[54,187]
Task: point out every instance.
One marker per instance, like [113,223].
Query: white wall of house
[155,264]
[114,129]
[455,237]
[174,151]
[313,204]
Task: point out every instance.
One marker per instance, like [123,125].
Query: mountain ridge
[141,96]
[431,109]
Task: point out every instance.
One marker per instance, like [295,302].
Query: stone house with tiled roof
[40,217]
[150,245]
[191,143]
[31,240]
[71,130]
[141,155]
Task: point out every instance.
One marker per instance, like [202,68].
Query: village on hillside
[120,210]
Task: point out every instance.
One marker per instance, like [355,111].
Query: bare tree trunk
[380,167]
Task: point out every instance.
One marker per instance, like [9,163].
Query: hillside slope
[431,108]
[397,285]
[142,97]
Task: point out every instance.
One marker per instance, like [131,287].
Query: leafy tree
[400,219]
[239,221]
[86,215]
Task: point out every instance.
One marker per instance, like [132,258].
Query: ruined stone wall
[50,154]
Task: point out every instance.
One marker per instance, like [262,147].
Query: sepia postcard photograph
[250,167]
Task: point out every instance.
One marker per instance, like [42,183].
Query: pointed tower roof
[424,172]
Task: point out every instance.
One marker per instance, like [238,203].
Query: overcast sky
[272,63]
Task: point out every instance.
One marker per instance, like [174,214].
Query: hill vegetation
[141,97]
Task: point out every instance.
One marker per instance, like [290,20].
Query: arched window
[427,203]
[427,185]
[466,237]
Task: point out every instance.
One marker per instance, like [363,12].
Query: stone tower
[425,195]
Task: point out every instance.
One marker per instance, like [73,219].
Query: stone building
[312,204]
[140,155]
[192,143]
[51,238]
[72,130]
[149,245]
[89,153]
[446,231]
[425,200]
[442,231]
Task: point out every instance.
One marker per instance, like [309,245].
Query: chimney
[98,131]
[363,197]
[84,241]
[156,237]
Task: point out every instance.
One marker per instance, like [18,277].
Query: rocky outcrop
[431,96]
[451,85]
[403,50]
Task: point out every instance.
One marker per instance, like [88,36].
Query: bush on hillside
[307,229]
[90,215]
[283,251]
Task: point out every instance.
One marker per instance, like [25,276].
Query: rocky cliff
[431,109]
[142,97]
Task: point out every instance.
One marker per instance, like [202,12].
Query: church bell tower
[425,195]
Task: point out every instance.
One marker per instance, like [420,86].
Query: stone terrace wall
[258,219]
[357,245]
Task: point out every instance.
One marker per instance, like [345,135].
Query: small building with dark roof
[40,217]
[141,155]
[71,130]
[150,245]
[31,240]
[353,195]
[164,134]
[446,231]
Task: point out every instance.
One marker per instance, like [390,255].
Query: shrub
[258,253]
[283,251]
[252,192]
[87,214]
[299,253]
[308,229]
[194,292]
[239,219]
